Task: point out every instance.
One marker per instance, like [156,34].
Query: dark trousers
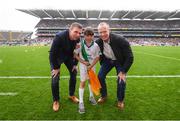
[72,81]
[106,66]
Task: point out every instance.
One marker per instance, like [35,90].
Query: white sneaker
[92,101]
[81,108]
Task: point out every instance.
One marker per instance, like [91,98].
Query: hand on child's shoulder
[78,46]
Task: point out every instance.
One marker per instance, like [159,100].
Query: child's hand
[89,67]
[86,63]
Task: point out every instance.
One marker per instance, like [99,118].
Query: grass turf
[146,98]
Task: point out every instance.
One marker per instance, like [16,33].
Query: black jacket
[62,49]
[121,50]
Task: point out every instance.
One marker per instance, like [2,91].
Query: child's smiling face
[88,37]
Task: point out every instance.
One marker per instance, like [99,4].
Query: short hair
[103,23]
[76,24]
[88,31]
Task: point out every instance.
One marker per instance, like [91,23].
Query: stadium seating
[136,31]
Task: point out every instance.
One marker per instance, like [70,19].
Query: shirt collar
[108,42]
[92,42]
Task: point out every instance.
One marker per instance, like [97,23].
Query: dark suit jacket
[62,49]
[121,49]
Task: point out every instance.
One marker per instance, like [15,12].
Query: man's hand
[122,76]
[55,72]
[75,68]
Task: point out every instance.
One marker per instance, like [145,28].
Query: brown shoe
[102,99]
[74,99]
[55,106]
[120,105]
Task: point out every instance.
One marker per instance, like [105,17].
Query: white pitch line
[154,76]
[64,77]
[161,56]
[24,77]
[8,93]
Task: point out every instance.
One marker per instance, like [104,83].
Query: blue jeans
[72,81]
[106,67]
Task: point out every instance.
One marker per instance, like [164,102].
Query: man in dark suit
[62,52]
[116,52]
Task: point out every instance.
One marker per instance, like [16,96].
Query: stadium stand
[139,27]
[14,37]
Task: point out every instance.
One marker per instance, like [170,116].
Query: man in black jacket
[62,52]
[116,52]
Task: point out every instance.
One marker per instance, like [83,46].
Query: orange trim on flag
[94,82]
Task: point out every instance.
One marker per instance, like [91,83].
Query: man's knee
[101,76]
[55,80]
[122,82]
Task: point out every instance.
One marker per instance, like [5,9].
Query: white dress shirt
[108,52]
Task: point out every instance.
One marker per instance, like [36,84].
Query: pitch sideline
[64,77]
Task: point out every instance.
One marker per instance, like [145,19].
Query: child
[88,55]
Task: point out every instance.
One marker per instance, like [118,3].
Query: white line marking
[1,61]
[154,76]
[8,93]
[64,77]
[25,77]
[161,56]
